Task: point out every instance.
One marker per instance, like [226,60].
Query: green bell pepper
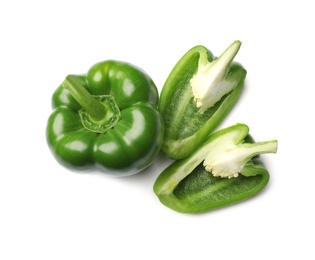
[107,118]
[197,95]
[226,169]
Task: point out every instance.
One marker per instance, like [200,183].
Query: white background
[49,212]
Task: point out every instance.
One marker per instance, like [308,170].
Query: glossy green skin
[185,127]
[195,190]
[134,141]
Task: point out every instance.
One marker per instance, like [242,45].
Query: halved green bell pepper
[226,169]
[107,117]
[197,95]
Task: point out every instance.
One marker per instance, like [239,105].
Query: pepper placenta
[226,169]
[197,95]
[108,118]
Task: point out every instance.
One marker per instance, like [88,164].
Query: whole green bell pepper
[197,95]
[107,118]
[226,169]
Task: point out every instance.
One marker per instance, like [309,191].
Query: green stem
[228,160]
[91,105]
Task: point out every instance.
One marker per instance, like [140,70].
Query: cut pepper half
[226,169]
[196,97]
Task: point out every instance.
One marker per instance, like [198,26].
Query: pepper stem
[92,106]
[228,161]
[209,84]
[98,113]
